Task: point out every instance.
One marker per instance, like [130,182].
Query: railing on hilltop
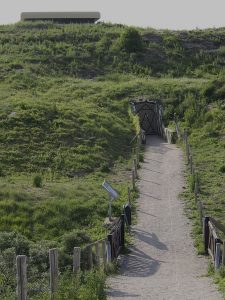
[214,245]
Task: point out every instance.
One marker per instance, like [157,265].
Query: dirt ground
[162,264]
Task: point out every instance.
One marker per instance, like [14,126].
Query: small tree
[130,40]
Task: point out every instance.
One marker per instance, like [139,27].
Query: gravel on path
[162,264]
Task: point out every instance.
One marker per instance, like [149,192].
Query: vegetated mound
[64,100]
[70,127]
[91,50]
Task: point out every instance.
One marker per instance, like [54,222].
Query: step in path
[162,264]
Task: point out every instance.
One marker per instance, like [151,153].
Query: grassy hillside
[64,116]
[88,51]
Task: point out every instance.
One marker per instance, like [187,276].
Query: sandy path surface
[163,264]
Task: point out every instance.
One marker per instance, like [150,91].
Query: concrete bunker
[61,17]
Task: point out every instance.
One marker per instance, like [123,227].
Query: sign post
[113,196]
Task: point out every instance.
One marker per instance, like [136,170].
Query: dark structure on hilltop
[61,17]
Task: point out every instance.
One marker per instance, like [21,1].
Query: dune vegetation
[66,125]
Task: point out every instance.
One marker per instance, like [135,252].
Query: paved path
[162,264]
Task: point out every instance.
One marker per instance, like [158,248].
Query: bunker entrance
[150,115]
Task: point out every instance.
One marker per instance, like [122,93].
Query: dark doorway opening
[150,115]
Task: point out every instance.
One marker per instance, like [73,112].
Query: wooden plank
[21,269]
[223,254]
[109,252]
[53,261]
[110,240]
[211,227]
[76,259]
[217,224]
[217,256]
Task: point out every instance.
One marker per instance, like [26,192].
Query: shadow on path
[139,264]
[149,238]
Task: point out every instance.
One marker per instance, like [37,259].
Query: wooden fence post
[135,169]
[21,269]
[137,156]
[123,231]
[53,260]
[90,257]
[109,252]
[138,149]
[188,153]
[129,195]
[191,165]
[97,249]
[110,243]
[200,212]
[217,256]
[133,180]
[196,190]
[206,233]
[104,254]
[76,259]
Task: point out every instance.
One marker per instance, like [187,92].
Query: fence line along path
[162,264]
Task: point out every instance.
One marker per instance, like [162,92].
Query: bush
[222,169]
[37,181]
[16,241]
[130,40]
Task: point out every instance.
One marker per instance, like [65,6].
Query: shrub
[130,40]
[2,172]
[37,181]
[16,241]
[222,169]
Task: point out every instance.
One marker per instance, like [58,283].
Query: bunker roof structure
[61,17]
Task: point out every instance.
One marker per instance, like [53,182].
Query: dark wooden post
[135,168]
[129,195]
[90,257]
[188,151]
[123,231]
[133,180]
[76,259]
[53,260]
[104,255]
[206,233]
[21,268]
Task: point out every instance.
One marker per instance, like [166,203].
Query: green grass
[65,117]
